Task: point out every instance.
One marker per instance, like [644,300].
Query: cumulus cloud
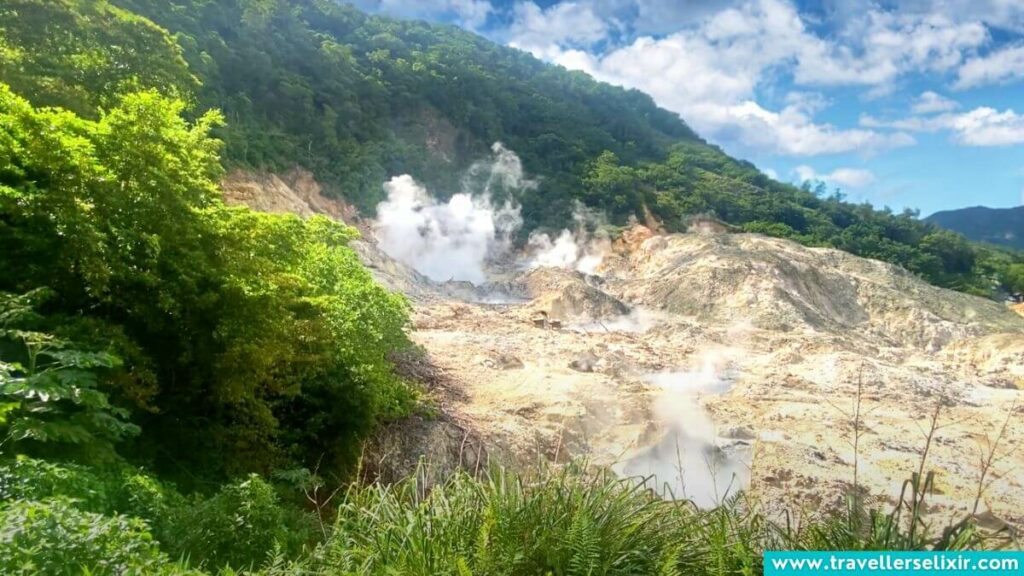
[659,17]
[470,14]
[1002,14]
[709,73]
[880,46]
[720,63]
[989,127]
[998,67]
[982,126]
[849,177]
[542,31]
[930,102]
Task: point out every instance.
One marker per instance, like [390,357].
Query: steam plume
[690,460]
[453,240]
[579,250]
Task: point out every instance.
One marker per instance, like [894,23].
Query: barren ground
[730,360]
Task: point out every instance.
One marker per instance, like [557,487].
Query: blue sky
[909,103]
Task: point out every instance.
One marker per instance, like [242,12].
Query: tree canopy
[259,338]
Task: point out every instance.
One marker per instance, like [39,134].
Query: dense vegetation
[357,99]
[697,179]
[181,381]
[237,341]
[70,519]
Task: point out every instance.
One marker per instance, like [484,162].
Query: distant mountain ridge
[1002,226]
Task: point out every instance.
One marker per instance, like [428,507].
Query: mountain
[358,99]
[188,384]
[1003,226]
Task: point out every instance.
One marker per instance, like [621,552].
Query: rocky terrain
[710,362]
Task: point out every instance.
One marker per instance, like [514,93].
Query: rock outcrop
[751,349]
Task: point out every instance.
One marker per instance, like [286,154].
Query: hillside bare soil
[710,362]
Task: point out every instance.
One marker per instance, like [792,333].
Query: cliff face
[711,362]
[295,192]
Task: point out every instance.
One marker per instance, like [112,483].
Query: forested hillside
[1004,226]
[165,357]
[357,99]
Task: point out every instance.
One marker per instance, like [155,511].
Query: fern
[583,543]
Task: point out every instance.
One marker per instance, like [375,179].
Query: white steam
[578,250]
[453,240]
[691,461]
[637,321]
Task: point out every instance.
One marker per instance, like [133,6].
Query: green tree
[266,340]
[80,54]
[1013,278]
[50,389]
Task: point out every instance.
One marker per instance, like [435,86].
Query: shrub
[240,526]
[27,478]
[54,537]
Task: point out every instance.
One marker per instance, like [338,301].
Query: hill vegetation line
[180,379]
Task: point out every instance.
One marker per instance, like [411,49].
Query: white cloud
[930,102]
[879,46]
[850,177]
[982,126]
[544,31]
[1003,14]
[988,127]
[712,61]
[709,73]
[658,17]
[1000,66]
[470,14]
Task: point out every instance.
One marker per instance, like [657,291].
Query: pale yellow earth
[735,359]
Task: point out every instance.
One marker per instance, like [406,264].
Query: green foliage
[54,537]
[572,521]
[578,522]
[241,525]
[699,179]
[114,489]
[1013,278]
[25,478]
[209,342]
[254,340]
[79,54]
[49,388]
[564,523]
[357,98]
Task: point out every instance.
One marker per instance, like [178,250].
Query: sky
[901,103]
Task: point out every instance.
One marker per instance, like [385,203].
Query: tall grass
[579,522]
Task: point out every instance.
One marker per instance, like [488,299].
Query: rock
[507,361]
[584,363]
[568,296]
[792,328]
[739,433]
